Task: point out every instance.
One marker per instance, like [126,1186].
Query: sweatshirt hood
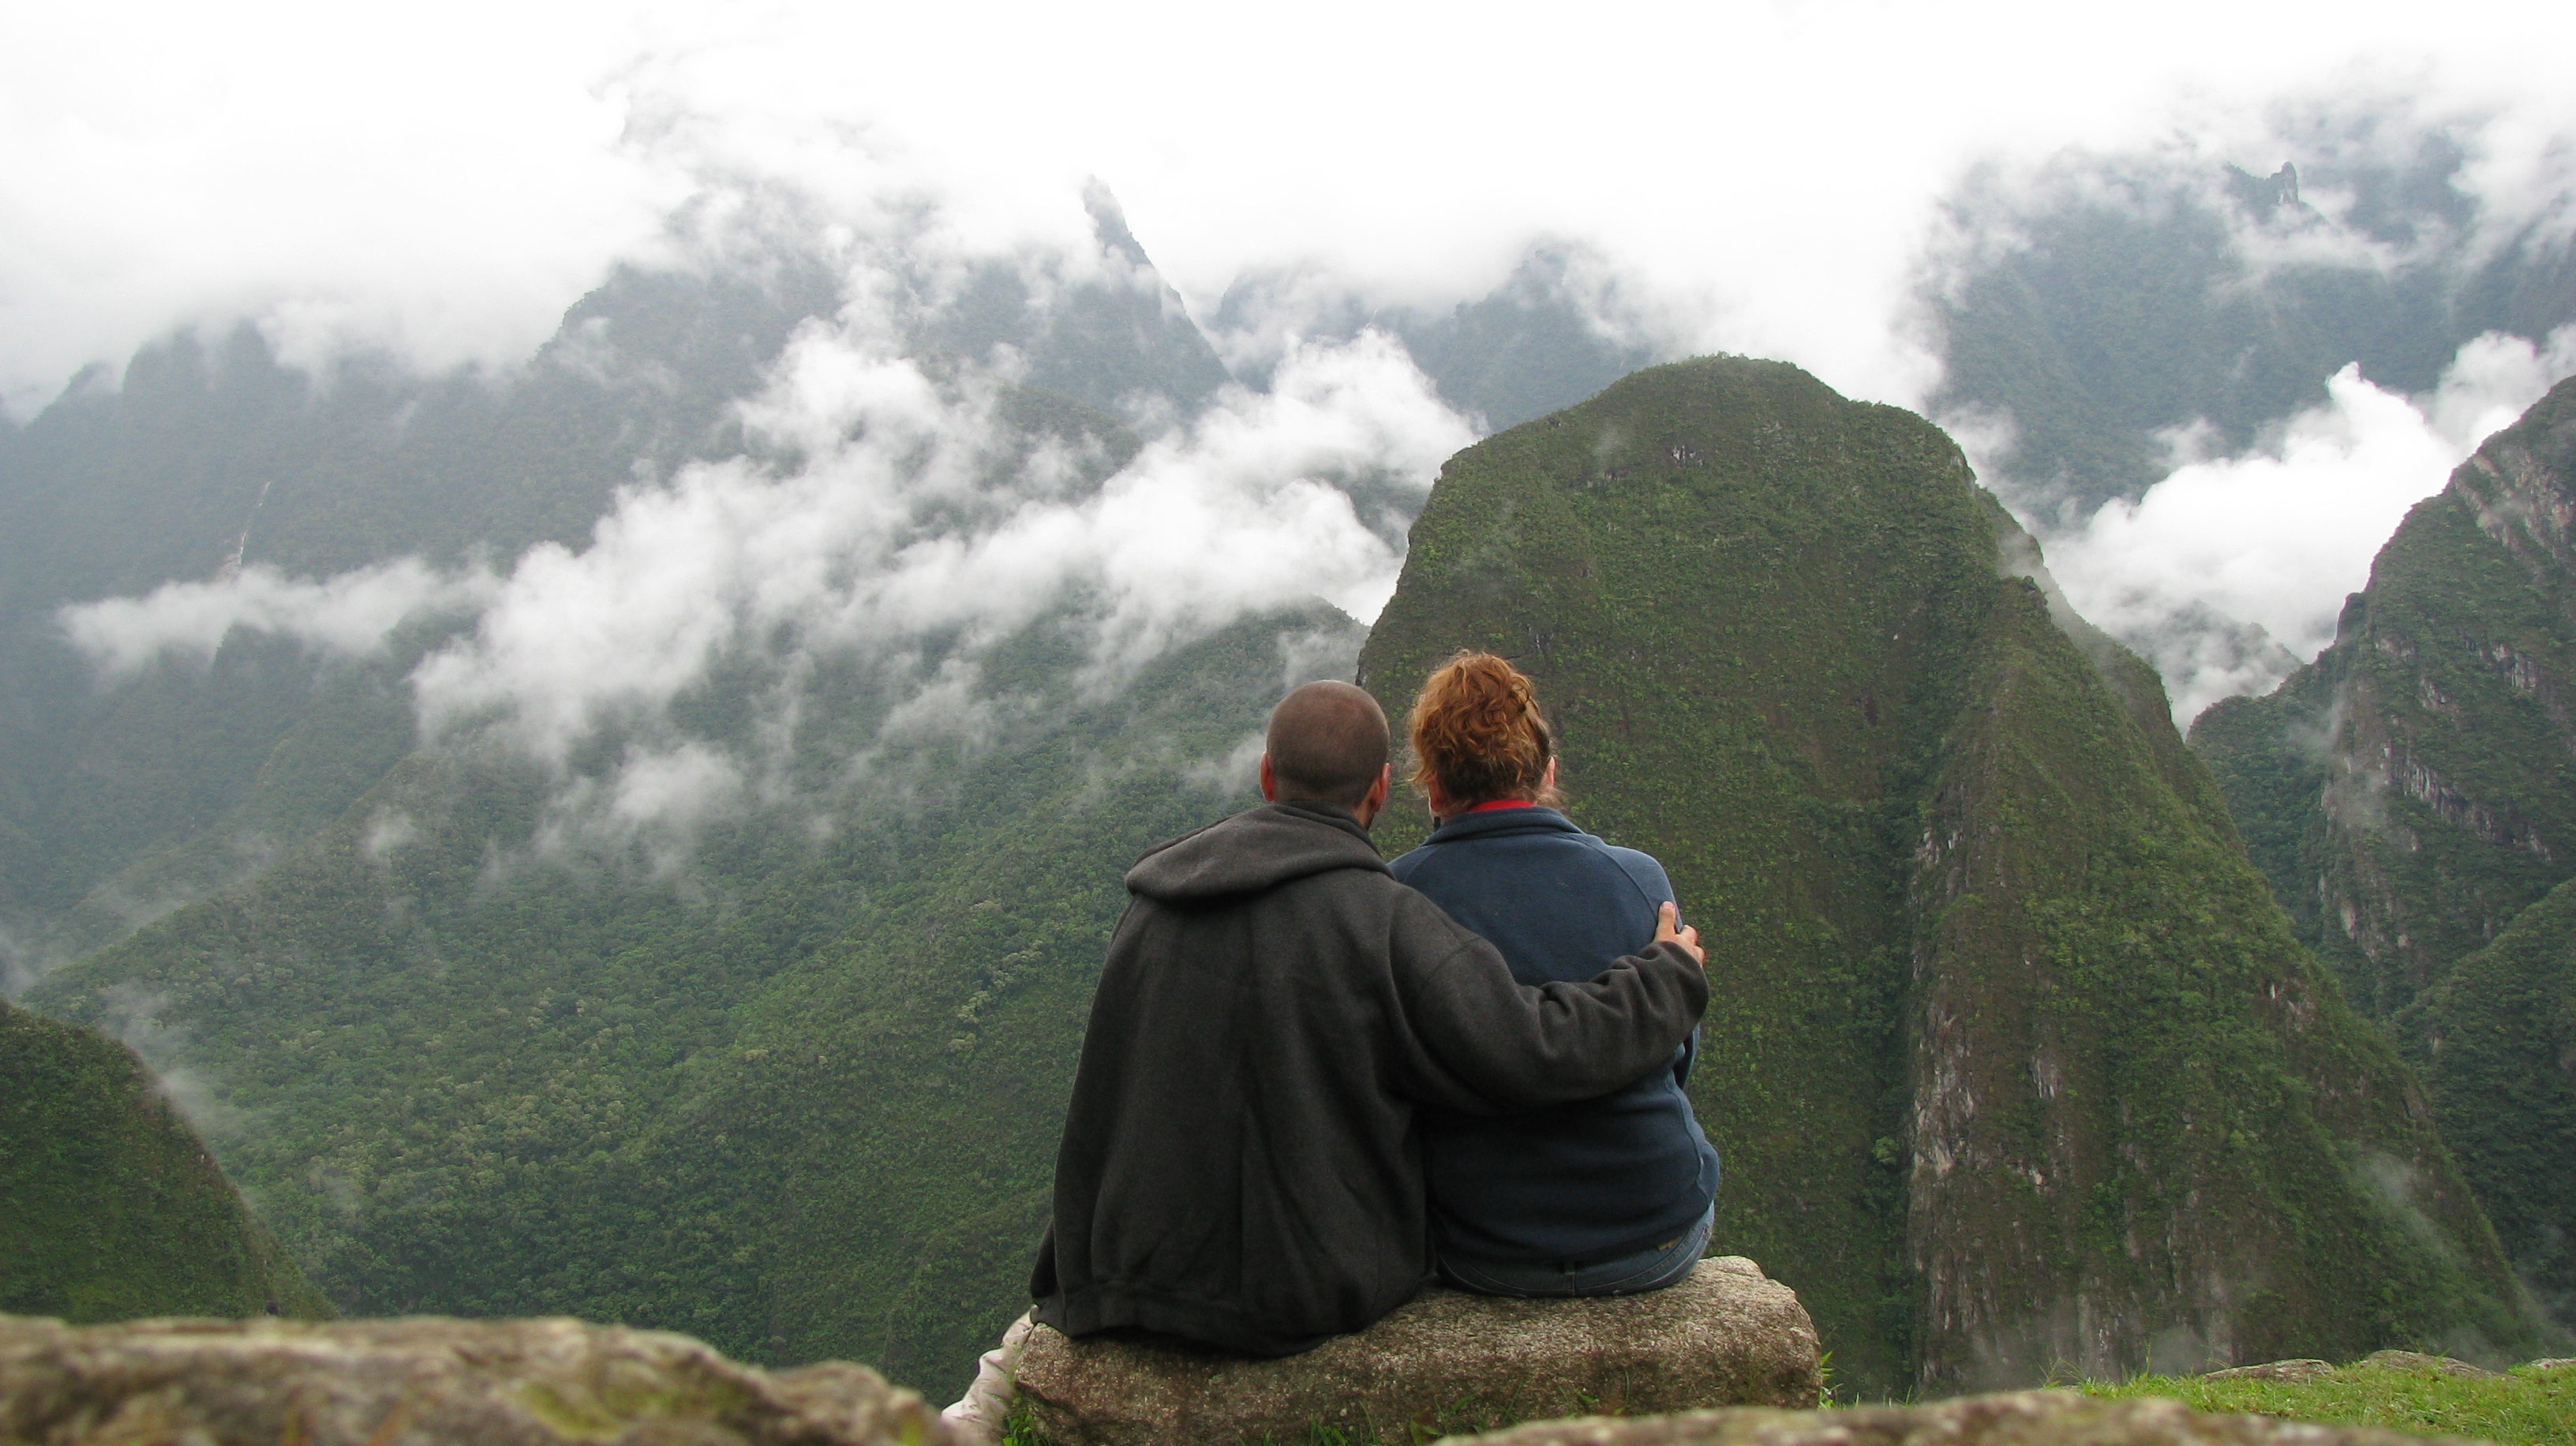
[1255,850]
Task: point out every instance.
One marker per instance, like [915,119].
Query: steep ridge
[110,1206]
[2011,1059]
[2414,788]
[2412,797]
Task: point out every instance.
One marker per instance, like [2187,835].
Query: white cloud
[335,172]
[1237,770]
[353,613]
[895,530]
[910,522]
[1754,178]
[2277,537]
[1769,169]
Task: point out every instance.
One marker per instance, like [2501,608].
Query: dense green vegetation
[804,1107]
[110,1207]
[2498,1041]
[2001,972]
[2531,1406]
[2006,1019]
[2412,797]
[2013,1026]
[801,1099]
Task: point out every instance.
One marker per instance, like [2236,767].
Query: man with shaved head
[1240,1164]
[1328,744]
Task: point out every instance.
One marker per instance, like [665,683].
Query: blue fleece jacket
[1582,1182]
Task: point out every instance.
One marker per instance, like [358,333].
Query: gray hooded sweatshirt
[1241,1163]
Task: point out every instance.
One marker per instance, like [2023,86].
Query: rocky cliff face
[2012,1060]
[109,1206]
[2415,787]
[2412,796]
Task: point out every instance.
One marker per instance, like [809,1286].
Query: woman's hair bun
[1477,732]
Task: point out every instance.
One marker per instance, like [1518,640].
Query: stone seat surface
[1444,1361]
[426,1381]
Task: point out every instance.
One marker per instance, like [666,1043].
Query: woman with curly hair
[1610,1196]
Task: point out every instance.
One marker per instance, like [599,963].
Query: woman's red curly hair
[1478,733]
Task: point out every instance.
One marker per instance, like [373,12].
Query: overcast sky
[449,178]
[1766,177]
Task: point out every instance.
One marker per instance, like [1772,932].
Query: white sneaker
[976,1418]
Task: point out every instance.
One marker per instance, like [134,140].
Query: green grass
[2527,1407]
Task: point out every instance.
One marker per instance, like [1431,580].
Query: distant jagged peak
[1109,223]
[2265,196]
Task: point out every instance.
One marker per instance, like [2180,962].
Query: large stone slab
[426,1382]
[2020,1418]
[1443,1361]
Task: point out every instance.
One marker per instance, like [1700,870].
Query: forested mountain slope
[490,1073]
[2414,788]
[2012,1061]
[208,456]
[2497,1038]
[110,1206]
[2413,792]
[805,1108]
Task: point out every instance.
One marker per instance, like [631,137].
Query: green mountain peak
[2012,1059]
[109,1204]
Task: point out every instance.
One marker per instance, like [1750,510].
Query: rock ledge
[427,1382]
[2018,1418]
[1444,1361]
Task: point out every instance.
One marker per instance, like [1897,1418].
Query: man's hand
[1668,928]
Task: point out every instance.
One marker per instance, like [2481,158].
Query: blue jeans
[1653,1268]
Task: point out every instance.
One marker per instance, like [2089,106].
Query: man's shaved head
[1328,744]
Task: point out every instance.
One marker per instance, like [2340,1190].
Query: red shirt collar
[1504,803]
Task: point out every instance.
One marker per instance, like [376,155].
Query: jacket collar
[1540,819]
